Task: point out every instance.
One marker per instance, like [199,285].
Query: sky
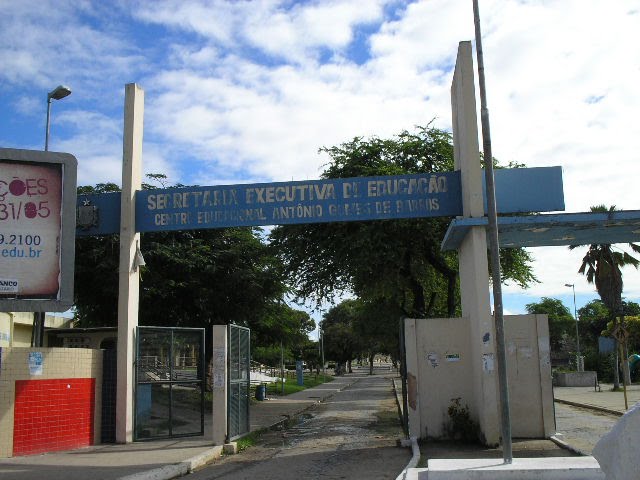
[248,91]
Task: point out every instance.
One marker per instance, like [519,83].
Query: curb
[562,444]
[167,472]
[592,407]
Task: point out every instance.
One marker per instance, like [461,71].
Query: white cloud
[296,32]
[242,91]
[556,266]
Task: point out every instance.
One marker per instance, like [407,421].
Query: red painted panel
[51,415]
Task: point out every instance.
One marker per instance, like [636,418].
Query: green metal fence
[169,394]
[239,381]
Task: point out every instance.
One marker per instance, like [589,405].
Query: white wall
[440,366]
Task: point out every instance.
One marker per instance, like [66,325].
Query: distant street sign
[317,201]
[620,333]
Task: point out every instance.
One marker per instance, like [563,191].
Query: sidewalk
[605,400]
[161,459]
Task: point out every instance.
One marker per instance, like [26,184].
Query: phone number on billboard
[18,239]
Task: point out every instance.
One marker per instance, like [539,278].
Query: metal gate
[239,381]
[169,394]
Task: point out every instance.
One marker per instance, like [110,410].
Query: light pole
[575,314]
[322,349]
[56,94]
[37,336]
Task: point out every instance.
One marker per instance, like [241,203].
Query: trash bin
[261,392]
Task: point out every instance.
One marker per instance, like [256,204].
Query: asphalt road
[352,435]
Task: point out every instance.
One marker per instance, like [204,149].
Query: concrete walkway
[604,399]
[482,467]
[161,459]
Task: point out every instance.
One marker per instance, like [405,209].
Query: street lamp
[56,94]
[37,335]
[575,314]
[322,347]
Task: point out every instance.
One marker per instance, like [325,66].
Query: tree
[562,325]
[602,266]
[195,278]
[399,261]
[341,342]
[593,320]
[594,317]
[372,324]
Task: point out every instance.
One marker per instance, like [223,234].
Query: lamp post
[56,94]
[322,350]
[37,335]
[575,314]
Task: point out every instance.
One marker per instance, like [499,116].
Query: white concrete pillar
[128,277]
[414,413]
[472,254]
[219,384]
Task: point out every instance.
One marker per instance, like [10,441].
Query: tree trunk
[626,373]
[616,373]
[349,366]
[371,357]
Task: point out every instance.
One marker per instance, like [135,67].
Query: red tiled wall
[52,415]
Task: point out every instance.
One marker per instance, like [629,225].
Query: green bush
[461,426]
[602,363]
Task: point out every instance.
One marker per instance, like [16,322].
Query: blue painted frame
[320,201]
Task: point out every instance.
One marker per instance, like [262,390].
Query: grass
[291,386]
[248,441]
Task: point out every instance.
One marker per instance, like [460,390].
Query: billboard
[37,230]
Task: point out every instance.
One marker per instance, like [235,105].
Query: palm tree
[601,265]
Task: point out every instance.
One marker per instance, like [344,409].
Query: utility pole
[494,248]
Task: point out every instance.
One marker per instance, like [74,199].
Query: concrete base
[575,379]
[230,448]
[547,468]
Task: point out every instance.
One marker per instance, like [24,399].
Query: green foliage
[397,261]
[562,326]
[311,355]
[602,363]
[341,343]
[593,320]
[247,441]
[602,266]
[194,278]
[461,426]
[631,308]
[632,326]
[595,316]
[191,278]
[374,325]
[290,386]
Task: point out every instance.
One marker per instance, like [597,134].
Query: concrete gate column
[219,384]
[128,276]
[472,254]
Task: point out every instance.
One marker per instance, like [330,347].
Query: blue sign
[317,201]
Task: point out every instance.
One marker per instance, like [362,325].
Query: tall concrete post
[219,384]
[128,275]
[472,254]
